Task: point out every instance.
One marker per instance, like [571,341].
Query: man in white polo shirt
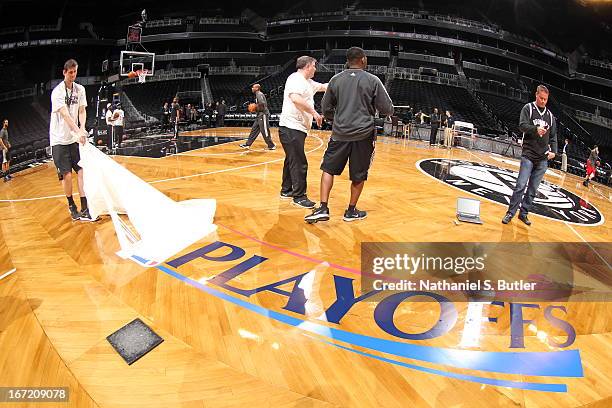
[66,131]
[295,121]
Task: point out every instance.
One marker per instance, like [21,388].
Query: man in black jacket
[351,101]
[165,116]
[435,125]
[175,116]
[221,112]
[539,129]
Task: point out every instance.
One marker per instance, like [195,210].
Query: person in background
[118,123]
[262,121]
[165,116]
[175,116]
[221,112]
[5,151]
[591,166]
[435,124]
[449,120]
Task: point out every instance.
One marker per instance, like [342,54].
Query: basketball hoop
[142,75]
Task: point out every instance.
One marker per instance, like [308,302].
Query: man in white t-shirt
[295,122]
[117,122]
[66,131]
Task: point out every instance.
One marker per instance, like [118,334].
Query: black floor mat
[134,340]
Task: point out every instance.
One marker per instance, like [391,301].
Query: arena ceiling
[569,24]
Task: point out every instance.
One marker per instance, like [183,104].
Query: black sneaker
[272,148]
[354,215]
[318,214]
[85,216]
[245,146]
[523,217]
[74,213]
[285,196]
[303,202]
[507,218]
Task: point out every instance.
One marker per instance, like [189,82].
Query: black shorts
[359,154]
[66,158]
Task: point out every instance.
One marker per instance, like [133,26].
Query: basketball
[252,107]
[116,115]
[132,74]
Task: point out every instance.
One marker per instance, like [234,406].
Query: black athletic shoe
[523,217]
[585,183]
[74,213]
[354,215]
[272,148]
[507,218]
[285,196]
[303,202]
[318,214]
[85,216]
[245,146]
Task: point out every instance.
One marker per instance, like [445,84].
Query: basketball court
[266,311]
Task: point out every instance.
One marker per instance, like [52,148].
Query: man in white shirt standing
[295,122]
[117,121]
[66,131]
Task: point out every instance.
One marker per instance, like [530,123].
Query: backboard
[132,61]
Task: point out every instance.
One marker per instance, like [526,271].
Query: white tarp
[164,227]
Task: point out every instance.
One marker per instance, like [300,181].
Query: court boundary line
[588,243]
[4,275]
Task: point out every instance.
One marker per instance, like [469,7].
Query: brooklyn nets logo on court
[496,184]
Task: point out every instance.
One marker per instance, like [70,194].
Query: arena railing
[17,94]
[598,63]
[219,20]
[12,30]
[244,70]
[166,22]
[548,49]
[596,119]
[427,58]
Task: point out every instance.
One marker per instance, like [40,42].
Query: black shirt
[534,145]
[174,111]
[352,98]
[435,119]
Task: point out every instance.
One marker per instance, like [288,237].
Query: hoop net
[142,75]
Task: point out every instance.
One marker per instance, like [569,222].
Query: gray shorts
[66,158]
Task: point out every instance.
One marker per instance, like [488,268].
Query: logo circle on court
[496,184]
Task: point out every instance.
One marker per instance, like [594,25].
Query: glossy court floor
[230,347]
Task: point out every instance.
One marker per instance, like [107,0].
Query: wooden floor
[70,290]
